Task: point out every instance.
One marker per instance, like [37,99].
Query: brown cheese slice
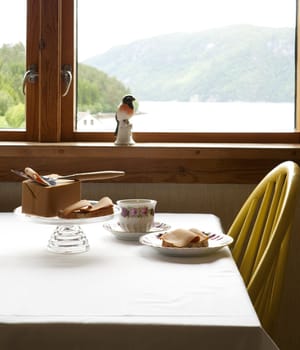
[104,202]
[200,233]
[80,205]
[180,238]
[84,209]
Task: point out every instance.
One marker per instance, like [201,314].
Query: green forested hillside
[235,63]
[97,92]
[12,68]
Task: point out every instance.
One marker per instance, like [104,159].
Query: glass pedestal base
[68,239]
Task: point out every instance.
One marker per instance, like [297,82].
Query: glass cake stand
[68,236]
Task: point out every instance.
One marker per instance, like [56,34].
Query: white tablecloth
[120,295]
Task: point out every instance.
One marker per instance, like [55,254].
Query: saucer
[116,230]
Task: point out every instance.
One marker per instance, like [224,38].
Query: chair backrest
[261,232]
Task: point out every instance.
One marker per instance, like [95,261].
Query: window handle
[30,76]
[67,77]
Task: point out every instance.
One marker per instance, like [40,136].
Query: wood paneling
[151,163]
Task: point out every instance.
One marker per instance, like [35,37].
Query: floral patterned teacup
[136,215]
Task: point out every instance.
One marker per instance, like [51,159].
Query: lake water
[176,116]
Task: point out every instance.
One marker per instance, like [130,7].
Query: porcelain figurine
[124,128]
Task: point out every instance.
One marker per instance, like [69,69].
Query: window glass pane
[193,65]
[12,63]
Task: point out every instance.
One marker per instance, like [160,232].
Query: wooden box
[48,200]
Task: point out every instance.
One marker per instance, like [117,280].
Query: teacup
[137,215]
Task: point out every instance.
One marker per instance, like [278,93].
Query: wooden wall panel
[150,163]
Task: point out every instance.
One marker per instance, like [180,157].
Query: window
[50,45]
[12,65]
[202,69]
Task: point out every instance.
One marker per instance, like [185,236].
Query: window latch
[67,77]
[30,76]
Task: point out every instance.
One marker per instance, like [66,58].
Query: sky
[125,21]
[107,23]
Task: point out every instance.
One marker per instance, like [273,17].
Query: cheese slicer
[94,175]
[51,180]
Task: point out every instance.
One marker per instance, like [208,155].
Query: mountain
[234,63]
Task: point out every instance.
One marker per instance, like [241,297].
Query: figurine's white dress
[124,136]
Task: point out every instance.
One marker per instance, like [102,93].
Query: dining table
[123,294]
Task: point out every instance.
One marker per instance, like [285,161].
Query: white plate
[55,220]
[116,229]
[215,242]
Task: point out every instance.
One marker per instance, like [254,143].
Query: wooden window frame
[50,118]
[50,144]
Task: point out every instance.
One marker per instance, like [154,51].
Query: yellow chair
[261,232]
